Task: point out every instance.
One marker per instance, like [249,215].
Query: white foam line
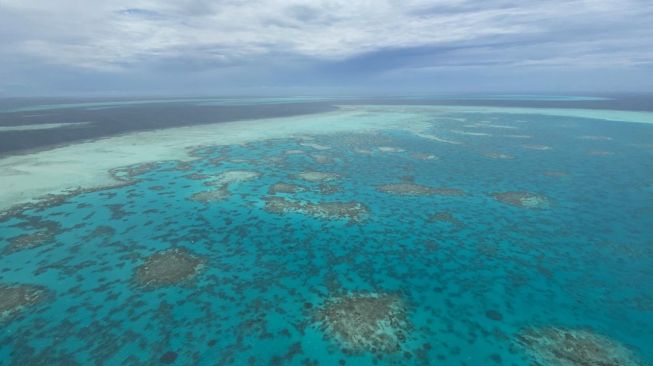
[43,126]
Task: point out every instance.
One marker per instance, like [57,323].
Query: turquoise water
[470,272]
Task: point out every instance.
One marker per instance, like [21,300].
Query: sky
[339,47]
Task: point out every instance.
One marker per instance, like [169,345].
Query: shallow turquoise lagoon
[531,232]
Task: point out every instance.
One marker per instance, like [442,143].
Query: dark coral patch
[285,188]
[29,241]
[365,322]
[352,211]
[555,346]
[168,268]
[213,195]
[494,315]
[523,199]
[169,357]
[15,298]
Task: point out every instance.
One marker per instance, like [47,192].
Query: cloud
[338,38]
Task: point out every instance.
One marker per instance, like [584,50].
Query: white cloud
[110,35]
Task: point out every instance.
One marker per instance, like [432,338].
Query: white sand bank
[599,114]
[43,126]
[24,178]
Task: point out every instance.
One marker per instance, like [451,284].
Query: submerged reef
[445,217]
[317,176]
[390,149]
[234,176]
[499,156]
[352,211]
[365,322]
[409,188]
[322,159]
[128,173]
[537,147]
[285,188]
[14,298]
[168,268]
[315,146]
[523,199]
[213,195]
[553,346]
[29,241]
[424,156]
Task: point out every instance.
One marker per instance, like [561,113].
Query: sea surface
[489,239]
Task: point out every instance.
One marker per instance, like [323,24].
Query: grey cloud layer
[117,36]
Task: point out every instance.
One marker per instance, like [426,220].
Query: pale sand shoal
[43,126]
[598,114]
[25,178]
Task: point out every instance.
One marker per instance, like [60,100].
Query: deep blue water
[471,273]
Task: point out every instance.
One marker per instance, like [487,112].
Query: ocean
[501,230]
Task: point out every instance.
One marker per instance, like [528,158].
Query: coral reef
[445,217]
[595,138]
[318,176]
[14,298]
[555,346]
[523,199]
[365,322]
[537,147]
[424,156]
[234,176]
[352,211]
[127,173]
[168,268]
[315,146]
[409,188]
[405,189]
[213,195]
[390,149]
[600,153]
[285,188]
[499,156]
[29,241]
[326,189]
[322,159]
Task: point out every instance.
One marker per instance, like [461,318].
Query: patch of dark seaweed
[168,268]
